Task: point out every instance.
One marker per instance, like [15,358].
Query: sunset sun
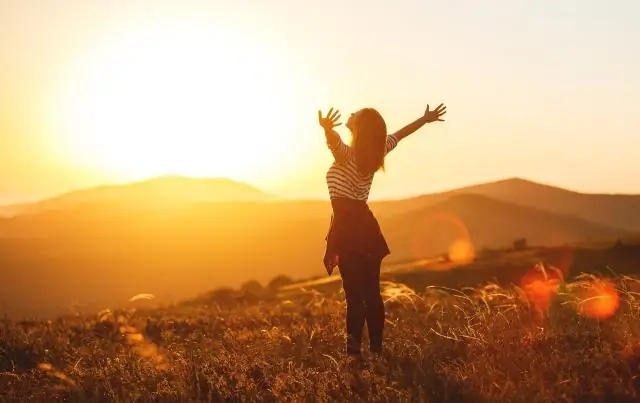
[169,99]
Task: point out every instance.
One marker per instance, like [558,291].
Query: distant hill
[160,190]
[617,210]
[613,210]
[11,210]
[103,252]
[486,223]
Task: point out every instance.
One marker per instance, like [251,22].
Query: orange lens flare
[462,251]
[599,300]
[540,286]
[442,232]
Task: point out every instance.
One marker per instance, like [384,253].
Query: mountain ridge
[100,255]
[614,210]
[174,187]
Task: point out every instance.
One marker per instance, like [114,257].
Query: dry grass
[544,342]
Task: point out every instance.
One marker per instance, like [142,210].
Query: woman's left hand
[435,115]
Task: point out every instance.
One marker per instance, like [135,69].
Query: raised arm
[428,117]
[339,149]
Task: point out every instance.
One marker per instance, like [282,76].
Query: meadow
[552,338]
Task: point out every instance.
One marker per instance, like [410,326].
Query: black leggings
[361,283]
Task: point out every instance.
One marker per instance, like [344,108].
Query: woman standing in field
[355,242]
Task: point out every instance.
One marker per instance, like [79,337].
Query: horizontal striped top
[343,178]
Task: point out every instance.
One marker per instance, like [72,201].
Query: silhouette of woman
[354,241]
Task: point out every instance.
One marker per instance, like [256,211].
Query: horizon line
[18,201]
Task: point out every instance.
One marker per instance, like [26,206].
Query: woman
[354,242]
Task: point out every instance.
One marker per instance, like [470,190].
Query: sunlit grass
[493,344]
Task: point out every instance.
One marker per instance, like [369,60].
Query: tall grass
[544,341]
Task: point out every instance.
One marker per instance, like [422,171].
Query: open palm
[436,114]
[330,121]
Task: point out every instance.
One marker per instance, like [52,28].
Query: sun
[188,99]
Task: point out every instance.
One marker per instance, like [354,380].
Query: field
[552,338]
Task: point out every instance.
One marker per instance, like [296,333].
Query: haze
[97,92]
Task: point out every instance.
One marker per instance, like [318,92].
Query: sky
[95,92]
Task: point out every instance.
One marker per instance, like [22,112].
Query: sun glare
[169,99]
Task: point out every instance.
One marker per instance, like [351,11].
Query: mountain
[614,210]
[165,190]
[12,210]
[618,210]
[485,223]
[101,253]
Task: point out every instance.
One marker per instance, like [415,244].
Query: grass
[549,341]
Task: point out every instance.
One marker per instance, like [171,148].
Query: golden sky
[96,92]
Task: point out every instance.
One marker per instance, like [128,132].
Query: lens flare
[540,285]
[442,232]
[462,251]
[599,300]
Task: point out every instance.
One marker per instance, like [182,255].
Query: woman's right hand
[330,121]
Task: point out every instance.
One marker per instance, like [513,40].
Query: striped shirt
[343,178]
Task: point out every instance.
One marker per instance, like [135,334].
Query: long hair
[369,141]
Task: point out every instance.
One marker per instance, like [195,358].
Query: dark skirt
[353,228]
